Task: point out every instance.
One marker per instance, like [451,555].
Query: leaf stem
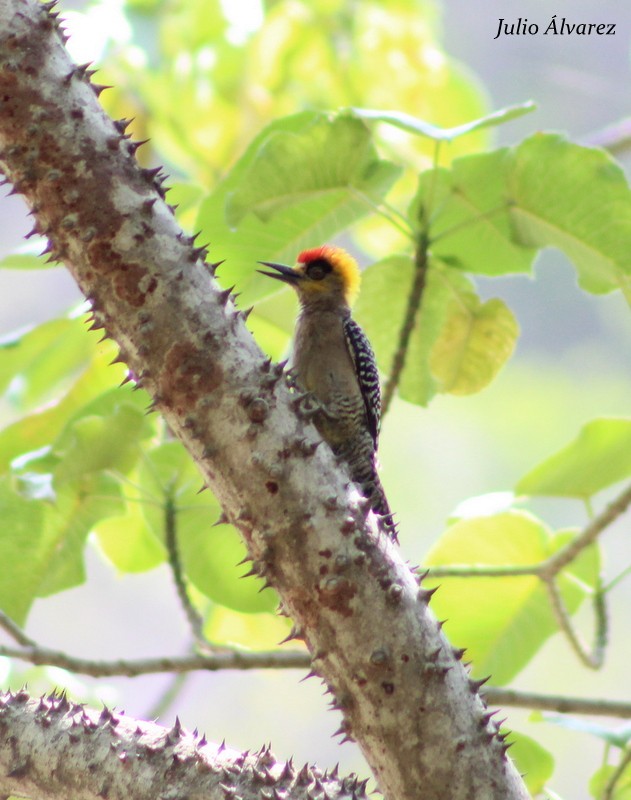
[415,299]
[170,528]
[471,221]
[595,658]
[548,570]
[617,774]
[388,212]
[552,565]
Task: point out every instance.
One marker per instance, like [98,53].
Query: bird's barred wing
[367,375]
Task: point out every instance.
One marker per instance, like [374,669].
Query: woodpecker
[333,360]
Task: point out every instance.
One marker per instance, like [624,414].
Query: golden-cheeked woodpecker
[333,360]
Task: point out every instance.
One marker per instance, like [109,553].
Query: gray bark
[403,691]
[51,748]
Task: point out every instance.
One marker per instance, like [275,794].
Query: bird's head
[320,274]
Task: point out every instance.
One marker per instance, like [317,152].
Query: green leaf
[493,210]
[308,222]
[411,124]
[70,519]
[128,542]
[475,343]
[503,621]
[93,443]
[600,781]
[387,284]
[326,156]
[208,553]
[469,213]
[577,199]
[26,258]
[92,393]
[252,631]
[24,549]
[457,343]
[599,457]
[533,761]
[42,358]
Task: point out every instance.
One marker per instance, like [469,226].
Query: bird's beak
[283,273]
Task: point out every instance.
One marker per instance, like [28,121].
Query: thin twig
[551,567]
[615,138]
[14,630]
[625,760]
[499,696]
[593,659]
[590,533]
[548,570]
[484,571]
[170,526]
[413,306]
[229,659]
[496,696]
[276,659]
[168,696]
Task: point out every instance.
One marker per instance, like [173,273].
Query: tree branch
[548,570]
[16,633]
[588,536]
[551,567]
[229,659]
[180,666]
[498,696]
[402,689]
[53,749]
[616,138]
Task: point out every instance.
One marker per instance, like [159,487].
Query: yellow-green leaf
[533,761]
[503,621]
[476,341]
[603,776]
[598,457]
[262,631]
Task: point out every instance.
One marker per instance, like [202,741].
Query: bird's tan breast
[325,368]
[322,360]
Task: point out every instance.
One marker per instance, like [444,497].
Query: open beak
[283,273]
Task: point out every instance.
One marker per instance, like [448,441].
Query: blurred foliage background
[201,79]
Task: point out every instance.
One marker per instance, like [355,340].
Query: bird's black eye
[318,269]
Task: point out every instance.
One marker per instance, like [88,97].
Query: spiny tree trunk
[402,689]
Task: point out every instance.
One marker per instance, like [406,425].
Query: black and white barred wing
[367,375]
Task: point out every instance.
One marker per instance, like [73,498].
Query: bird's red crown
[341,263]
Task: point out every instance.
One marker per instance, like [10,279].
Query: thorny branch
[52,748]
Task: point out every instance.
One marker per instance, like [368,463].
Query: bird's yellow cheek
[314,288]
